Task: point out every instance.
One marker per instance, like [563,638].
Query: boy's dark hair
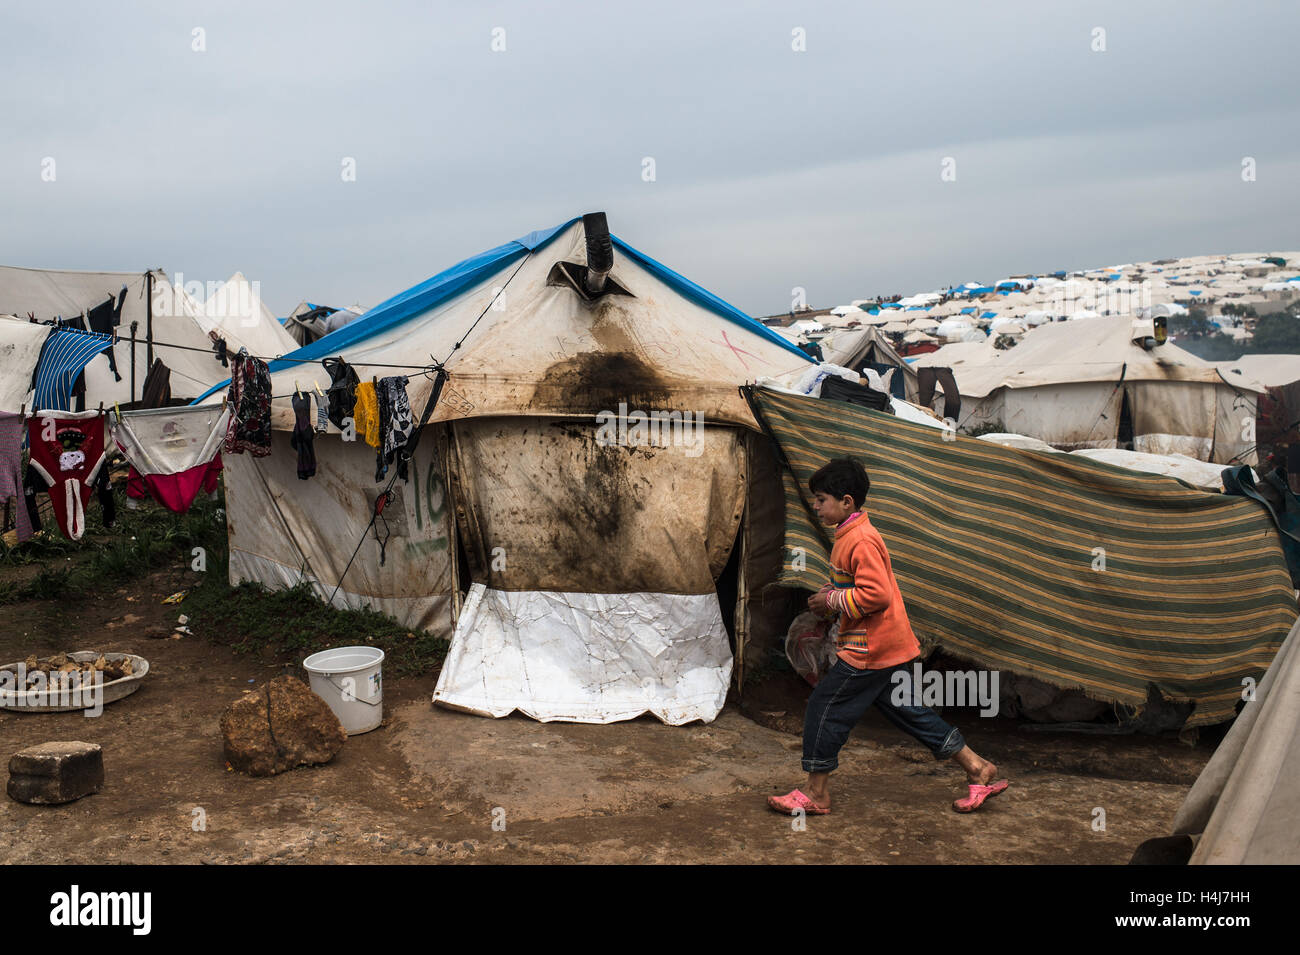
[839,477]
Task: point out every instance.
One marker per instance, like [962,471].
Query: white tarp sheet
[588,658]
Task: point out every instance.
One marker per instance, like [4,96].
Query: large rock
[54,773]
[279,726]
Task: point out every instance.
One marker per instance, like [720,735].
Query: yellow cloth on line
[365,416]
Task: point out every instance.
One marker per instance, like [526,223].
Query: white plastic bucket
[350,680]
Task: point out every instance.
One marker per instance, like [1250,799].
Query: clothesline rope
[116,339]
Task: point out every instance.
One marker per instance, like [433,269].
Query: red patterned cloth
[250,408]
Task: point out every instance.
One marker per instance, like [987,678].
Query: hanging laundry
[219,346]
[382,399]
[365,416]
[303,436]
[67,453]
[11,475]
[173,452]
[157,392]
[342,389]
[63,356]
[322,416]
[33,487]
[103,318]
[104,493]
[250,407]
[399,423]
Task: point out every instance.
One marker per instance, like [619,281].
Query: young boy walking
[875,641]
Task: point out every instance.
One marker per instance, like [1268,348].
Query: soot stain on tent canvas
[592,382]
[617,371]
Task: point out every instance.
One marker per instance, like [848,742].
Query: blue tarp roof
[968,310]
[473,271]
[989,315]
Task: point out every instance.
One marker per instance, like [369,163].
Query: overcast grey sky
[774,168]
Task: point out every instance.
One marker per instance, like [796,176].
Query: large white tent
[1084,384]
[593,565]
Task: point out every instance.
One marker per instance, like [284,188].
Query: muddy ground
[429,784]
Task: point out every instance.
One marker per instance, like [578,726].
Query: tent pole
[148,318]
[134,326]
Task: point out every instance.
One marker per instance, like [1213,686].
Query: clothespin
[101,407]
[22,410]
[296,390]
[315,384]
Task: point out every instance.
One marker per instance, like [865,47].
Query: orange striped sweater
[875,633]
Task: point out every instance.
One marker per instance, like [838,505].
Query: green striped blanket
[1049,565]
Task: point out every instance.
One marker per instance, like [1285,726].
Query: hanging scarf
[250,408]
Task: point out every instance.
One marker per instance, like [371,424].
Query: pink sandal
[793,801]
[978,794]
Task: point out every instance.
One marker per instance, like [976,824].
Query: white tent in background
[236,312]
[806,326]
[1080,385]
[167,326]
[606,606]
[954,329]
[1269,371]
[853,348]
[956,354]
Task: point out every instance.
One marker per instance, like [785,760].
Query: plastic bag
[810,646]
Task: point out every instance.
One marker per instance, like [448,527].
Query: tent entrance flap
[588,658]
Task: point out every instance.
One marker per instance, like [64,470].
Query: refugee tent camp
[601,566]
[1094,385]
[597,551]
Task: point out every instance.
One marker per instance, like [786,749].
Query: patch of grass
[248,618]
[49,584]
[141,540]
[296,622]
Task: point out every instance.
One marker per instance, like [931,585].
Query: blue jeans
[840,699]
